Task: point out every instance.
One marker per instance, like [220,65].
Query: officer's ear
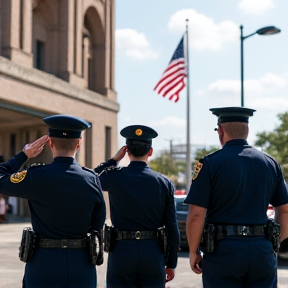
[220,131]
[150,152]
[51,144]
[78,144]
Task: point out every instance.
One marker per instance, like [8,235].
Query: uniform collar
[137,164]
[236,142]
[69,160]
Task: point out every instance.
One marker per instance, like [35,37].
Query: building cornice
[50,82]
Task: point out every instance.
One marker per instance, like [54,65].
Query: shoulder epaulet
[89,170]
[34,165]
[107,169]
[213,153]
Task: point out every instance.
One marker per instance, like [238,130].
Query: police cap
[138,133]
[232,114]
[65,126]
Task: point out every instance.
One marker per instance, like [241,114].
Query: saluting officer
[233,188]
[65,202]
[141,201]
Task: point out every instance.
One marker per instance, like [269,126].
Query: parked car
[181,213]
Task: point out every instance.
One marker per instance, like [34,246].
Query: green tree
[164,164]
[201,153]
[275,143]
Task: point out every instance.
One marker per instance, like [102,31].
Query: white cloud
[268,83]
[134,44]
[169,122]
[255,7]
[204,33]
[276,104]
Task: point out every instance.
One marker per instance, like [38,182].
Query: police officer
[141,201]
[231,190]
[65,202]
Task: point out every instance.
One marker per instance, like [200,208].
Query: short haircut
[236,129]
[138,149]
[64,144]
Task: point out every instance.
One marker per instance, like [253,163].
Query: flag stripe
[173,75]
[172,82]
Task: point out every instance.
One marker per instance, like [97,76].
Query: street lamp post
[269,30]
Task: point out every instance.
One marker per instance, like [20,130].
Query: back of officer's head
[236,130]
[65,132]
[137,149]
[67,145]
[232,122]
[138,139]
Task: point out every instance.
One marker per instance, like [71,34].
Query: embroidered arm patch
[18,177]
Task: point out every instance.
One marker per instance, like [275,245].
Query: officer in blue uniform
[230,192]
[65,202]
[141,201]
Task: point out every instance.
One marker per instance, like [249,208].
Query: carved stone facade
[57,57]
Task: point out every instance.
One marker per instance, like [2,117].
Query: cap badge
[18,177]
[138,132]
[197,170]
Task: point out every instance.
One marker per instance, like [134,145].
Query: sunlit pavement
[11,268]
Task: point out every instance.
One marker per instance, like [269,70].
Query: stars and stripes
[172,82]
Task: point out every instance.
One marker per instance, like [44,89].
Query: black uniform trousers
[240,262]
[136,264]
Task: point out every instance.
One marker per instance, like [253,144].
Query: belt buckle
[138,235]
[245,231]
[64,243]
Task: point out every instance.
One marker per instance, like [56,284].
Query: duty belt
[138,235]
[240,230]
[62,243]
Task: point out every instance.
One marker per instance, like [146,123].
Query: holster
[162,241]
[109,238]
[28,244]
[95,247]
[272,233]
[208,239]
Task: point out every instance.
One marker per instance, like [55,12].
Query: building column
[16,18]
[71,42]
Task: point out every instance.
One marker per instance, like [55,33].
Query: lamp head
[269,30]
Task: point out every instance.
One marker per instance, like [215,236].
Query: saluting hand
[120,154]
[35,148]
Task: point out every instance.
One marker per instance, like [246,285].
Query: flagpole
[188,153]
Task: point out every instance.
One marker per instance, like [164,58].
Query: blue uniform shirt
[141,199]
[65,199]
[236,185]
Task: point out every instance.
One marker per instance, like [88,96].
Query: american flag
[172,82]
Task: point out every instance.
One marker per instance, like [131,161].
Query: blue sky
[147,34]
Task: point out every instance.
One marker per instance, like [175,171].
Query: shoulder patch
[197,169]
[18,177]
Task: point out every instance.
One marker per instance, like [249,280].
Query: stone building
[57,57]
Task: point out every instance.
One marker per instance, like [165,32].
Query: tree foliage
[164,164]
[275,143]
[201,153]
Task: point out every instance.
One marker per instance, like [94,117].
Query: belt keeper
[138,235]
[64,243]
